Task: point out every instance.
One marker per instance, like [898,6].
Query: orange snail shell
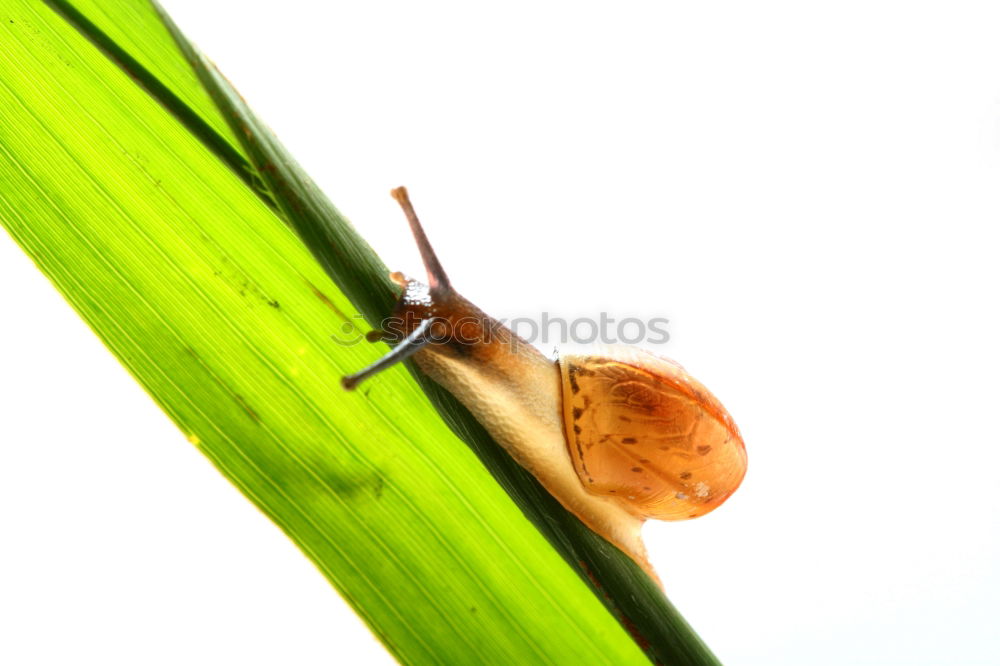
[641,429]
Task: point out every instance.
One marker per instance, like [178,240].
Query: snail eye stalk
[410,345]
[437,279]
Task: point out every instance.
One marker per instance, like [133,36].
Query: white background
[809,192]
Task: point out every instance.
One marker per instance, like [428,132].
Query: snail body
[616,434]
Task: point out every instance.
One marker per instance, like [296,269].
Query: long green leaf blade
[627,592]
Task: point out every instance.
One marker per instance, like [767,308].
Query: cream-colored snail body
[617,436]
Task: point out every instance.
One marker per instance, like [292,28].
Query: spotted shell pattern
[641,429]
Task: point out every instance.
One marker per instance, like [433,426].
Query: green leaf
[142,185]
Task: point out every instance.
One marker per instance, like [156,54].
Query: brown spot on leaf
[325,300]
[246,407]
[636,635]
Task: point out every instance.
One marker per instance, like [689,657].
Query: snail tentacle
[409,346]
[437,279]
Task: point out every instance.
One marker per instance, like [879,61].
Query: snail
[616,434]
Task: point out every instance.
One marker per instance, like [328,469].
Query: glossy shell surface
[641,429]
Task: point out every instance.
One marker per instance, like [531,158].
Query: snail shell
[643,430]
